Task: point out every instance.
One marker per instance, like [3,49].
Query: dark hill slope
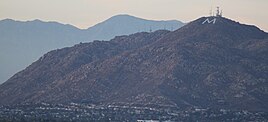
[221,65]
[56,64]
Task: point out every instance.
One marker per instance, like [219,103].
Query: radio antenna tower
[218,12]
[211,11]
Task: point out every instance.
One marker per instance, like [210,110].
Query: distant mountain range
[219,65]
[21,43]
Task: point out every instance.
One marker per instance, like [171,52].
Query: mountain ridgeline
[221,65]
[22,43]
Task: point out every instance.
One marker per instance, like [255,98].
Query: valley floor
[89,112]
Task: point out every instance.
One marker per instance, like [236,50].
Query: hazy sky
[85,13]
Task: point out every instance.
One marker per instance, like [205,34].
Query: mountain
[220,65]
[125,25]
[21,43]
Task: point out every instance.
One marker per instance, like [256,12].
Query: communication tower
[218,12]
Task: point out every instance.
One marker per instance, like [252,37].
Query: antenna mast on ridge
[218,11]
[210,12]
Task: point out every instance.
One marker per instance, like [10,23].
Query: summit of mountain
[126,24]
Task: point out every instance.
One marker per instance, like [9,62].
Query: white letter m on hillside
[213,21]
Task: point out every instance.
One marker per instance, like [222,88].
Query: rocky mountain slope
[22,43]
[202,65]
